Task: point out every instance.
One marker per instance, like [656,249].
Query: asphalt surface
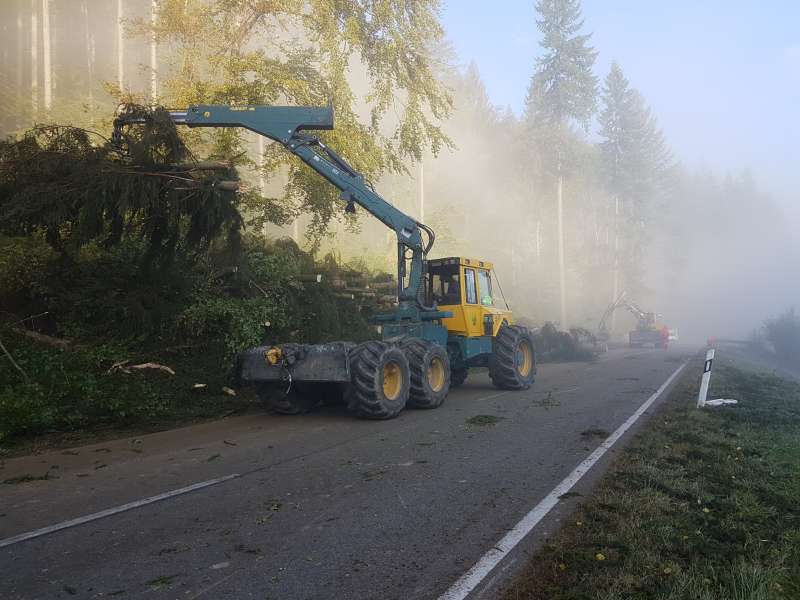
[324,505]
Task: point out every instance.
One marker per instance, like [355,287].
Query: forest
[110,259]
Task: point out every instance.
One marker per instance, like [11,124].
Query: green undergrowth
[192,314]
[703,504]
[76,390]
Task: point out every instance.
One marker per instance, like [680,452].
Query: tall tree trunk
[5,74]
[120,48]
[538,242]
[153,52]
[615,275]
[421,191]
[20,60]
[34,61]
[562,283]
[88,38]
[262,180]
[47,67]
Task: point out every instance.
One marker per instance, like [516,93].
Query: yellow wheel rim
[524,358]
[436,373]
[392,380]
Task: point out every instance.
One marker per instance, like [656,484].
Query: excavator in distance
[445,321]
[647,330]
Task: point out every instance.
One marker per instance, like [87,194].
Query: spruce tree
[634,160]
[562,93]
[563,89]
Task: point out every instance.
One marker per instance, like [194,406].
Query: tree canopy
[312,53]
[563,88]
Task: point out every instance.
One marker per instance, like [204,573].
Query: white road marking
[572,389]
[472,578]
[111,511]
[492,397]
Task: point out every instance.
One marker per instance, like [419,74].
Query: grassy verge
[701,505]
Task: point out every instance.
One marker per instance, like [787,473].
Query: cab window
[485,287]
[469,286]
[446,285]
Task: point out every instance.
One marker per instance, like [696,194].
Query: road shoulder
[699,504]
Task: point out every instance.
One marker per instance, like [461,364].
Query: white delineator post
[701,397]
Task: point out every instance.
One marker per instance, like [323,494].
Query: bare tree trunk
[90,55]
[120,48]
[615,276]
[47,66]
[262,180]
[34,61]
[5,73]
[20,60]
[421,191]
[562,284]
[153,52]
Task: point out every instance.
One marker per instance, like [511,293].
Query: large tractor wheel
[512,365]
[379,381]
[430,372]
[294,402]
[458,377]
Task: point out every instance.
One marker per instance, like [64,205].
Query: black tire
[296,401]
[512,365]
[458,377]
[430,372]
[370,395]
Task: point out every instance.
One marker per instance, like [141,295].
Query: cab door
[473,314]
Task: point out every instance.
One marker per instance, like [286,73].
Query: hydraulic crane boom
[645,319]
[283,124]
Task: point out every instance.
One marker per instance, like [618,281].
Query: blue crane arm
[284,125]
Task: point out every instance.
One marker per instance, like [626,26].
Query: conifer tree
[562,93]
[634,160]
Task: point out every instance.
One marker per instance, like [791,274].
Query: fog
[713,247]
[723,79]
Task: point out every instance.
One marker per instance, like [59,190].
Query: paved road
[325,506]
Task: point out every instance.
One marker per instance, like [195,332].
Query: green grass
[701,505]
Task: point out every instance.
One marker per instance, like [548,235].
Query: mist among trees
[575,200]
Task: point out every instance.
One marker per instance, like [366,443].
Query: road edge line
[111,511]
[486,564]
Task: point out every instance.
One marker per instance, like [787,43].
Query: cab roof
[460,260]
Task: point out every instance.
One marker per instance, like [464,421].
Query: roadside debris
[721,402]
[552,345]
[483,420]
[594,432]
[124,367]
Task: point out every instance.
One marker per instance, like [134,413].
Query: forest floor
[701,504]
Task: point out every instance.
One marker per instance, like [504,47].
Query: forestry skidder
[446,320]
